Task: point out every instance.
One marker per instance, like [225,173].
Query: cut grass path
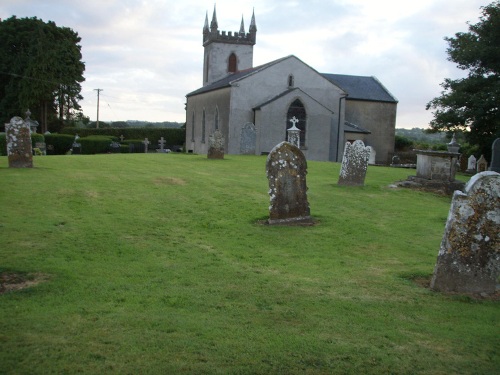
[158,263]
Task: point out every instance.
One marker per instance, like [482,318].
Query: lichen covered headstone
[354,164]
[469,256]
[216,145]
[18,139]
[286,170]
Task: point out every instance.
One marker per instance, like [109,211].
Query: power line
[98,91]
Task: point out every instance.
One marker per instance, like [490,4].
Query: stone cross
[122,138]
[469,256]
[354,164]
[286,170]
[146,143]
[294,132]
[18,139]
[162,142]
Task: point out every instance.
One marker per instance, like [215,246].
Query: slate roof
[353,128]
[361,87]
[287,92]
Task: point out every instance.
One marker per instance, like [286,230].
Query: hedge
[96,144]
[172,136]
[58,144]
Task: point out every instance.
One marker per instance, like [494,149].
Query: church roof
[353,128]
[287,92]
[361,88]
[228,80]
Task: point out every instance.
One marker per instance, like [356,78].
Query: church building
[252,106]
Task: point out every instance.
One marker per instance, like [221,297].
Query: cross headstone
[471,164]
[161,143]
[122,138]
[146,143]
[18,139]
[469,256]
[286,170]
[248,139]
[481,164]
[495,156]
[294,132]
[216,145]
[354,164]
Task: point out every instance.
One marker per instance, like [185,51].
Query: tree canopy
[471,104]
[40,70]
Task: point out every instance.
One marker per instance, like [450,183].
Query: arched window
[192,128]
[203,128]
[290,80]
[232,64]
[216,119]
[298,111]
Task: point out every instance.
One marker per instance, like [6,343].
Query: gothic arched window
[298,111]
[203,127]
[216,119]
[232,64]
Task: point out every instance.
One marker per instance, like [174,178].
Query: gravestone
[354,164]
[248,139]
[495,156]
[114,147]
[471,164]
[161,143]
[373,156]
[122,138]
[18,139]
[42,146]
[216,145]
[469,255]
[146,143]
[293,133]
[286,170]
[76,147]
[481,164]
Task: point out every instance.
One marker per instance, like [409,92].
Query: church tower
[226,53]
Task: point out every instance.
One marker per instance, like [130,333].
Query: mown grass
[159,263]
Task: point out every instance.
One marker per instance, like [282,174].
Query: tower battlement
[212,34]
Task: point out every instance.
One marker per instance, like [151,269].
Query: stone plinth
[437,165]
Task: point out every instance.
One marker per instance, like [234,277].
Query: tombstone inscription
[18,139]
[469,256]
[354,164]
[286,170]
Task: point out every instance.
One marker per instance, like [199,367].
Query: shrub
[402,143]
[36,138]
[96,144]
[58,144]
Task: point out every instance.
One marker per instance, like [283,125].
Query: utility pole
[98,91]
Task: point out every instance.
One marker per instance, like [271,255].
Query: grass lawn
[159,264]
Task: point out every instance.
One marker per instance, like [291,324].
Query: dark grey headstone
[495,156]
[469,256]
[286,170]
[216,145]
[354,164]
[248,139]
[18,139]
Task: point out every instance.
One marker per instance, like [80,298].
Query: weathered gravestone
[216,145]
[161,143]
[146,143]
[373,156]
[18,139]
[471,164]
[354,164]
[495,156]
[248,139]
[469,256]
[286,170]
[481,164]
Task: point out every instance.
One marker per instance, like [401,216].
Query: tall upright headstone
[286,170]
[495,156]
[469,256]
[248,139]
[471,164]
[216,145]
[354,164]
[18,139]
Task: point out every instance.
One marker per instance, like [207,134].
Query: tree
[471,104]
[40,69]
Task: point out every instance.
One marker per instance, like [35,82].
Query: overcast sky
[147,55]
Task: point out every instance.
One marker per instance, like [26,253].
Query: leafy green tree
[471,104]
[40,69]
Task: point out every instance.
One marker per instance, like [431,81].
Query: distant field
[160,264]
